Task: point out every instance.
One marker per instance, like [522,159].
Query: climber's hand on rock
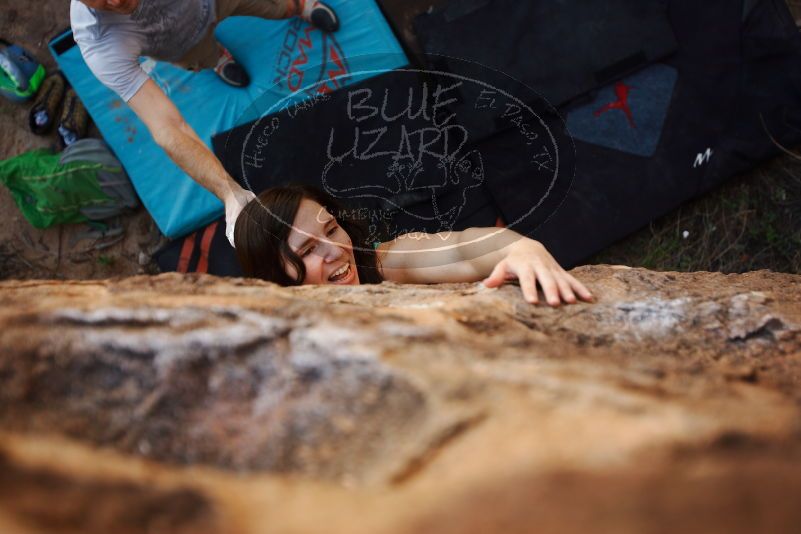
[529,262]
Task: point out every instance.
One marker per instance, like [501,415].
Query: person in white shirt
[113,34]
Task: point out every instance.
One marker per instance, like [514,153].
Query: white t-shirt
[112,43]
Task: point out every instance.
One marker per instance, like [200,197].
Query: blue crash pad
[282,57]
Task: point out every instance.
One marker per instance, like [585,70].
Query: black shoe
[74,121]
[323,17]
[233,74]
[44,112]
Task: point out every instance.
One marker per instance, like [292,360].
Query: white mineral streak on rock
[650,318]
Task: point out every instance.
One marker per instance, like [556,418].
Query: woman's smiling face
[323,245]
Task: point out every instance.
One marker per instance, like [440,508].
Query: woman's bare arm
[493,255]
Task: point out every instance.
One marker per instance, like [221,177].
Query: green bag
[83,183]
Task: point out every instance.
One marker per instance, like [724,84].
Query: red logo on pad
[622,103]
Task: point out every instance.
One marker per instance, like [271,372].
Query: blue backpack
[20,74]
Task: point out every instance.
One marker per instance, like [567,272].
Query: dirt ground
[66,253]
[62,252]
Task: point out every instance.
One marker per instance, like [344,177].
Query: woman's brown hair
[263,227]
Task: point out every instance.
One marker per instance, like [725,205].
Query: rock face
[197,404]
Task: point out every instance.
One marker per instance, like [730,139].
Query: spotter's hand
[234,204]
[529,262]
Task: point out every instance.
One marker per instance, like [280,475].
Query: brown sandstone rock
[244,407]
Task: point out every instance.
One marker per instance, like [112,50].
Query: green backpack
[83,183]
